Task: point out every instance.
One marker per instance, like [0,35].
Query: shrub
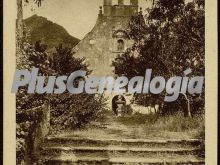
[80,110]
[72,111]
[26,119]
[127,110]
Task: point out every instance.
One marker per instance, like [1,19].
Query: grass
[168,126]
[140,126]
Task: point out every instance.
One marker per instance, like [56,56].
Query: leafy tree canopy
[170,38]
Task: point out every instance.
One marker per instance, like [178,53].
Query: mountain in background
[48,32]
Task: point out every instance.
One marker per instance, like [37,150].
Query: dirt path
[110,126]
[112,141]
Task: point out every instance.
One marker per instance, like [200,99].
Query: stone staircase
[94,151]
[110,141]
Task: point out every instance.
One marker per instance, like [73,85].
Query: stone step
[71,160]
[118,151]
[147,161]
[142,143]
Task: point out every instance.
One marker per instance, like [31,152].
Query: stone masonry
[108,38]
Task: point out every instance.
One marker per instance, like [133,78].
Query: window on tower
[120,45]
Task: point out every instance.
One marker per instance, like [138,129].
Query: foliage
[67,111]
[72,111]
[64,62]
[167,125]
[169,39]
[25,53]
[126,110]
[75,111]
[29,106]
[178,123]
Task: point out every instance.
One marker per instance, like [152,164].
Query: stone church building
[108,38]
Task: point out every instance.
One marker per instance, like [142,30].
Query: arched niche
[120,45]
[120,38]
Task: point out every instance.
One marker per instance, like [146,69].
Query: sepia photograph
[110,82]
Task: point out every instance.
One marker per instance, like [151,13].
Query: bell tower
[107,2]
[134,2]
[109,37]
[107,7]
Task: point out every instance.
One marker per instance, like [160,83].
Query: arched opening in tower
[120,45]
[116,102]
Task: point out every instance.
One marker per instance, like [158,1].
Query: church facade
[108,38]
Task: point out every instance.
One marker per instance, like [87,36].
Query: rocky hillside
[48,32]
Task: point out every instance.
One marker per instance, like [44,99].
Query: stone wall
[42,128]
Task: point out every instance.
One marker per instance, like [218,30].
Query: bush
[72,111]
[172,39]
[80,110]
[26,120]
[127,110]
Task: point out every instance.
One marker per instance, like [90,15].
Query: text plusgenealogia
[78,82]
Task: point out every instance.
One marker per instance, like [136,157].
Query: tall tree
[169,41]
[20,27]
[69,110]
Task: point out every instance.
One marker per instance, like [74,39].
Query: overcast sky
[77,16]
